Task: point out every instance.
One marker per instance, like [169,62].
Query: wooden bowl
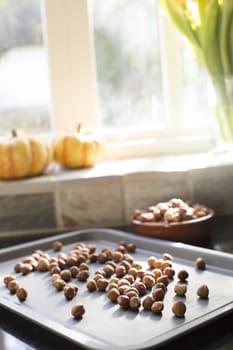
[185,231]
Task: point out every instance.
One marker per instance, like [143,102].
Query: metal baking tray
[105,325]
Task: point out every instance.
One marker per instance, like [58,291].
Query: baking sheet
[105,325]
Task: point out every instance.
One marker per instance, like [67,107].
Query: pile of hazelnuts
[131,286]
[174,210]
[124,280]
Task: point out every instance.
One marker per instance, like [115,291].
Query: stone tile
[214,187]
[143,189]
[93,202]
[27,212]
[38,184]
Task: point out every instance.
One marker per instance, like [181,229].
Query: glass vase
[223,112]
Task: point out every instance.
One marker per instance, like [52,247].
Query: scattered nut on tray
[115,273]
[174,210]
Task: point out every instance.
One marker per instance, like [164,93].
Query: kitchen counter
[19,334]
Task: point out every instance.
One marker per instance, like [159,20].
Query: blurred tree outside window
[129,68]
[126,39]
[24,84]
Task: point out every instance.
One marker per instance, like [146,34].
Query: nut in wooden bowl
[174,220]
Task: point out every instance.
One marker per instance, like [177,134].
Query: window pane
[195,89]
[126,39]
[24,88]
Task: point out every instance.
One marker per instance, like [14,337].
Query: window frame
[68,36]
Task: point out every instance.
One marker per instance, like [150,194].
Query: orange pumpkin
[78,149]
[23,156]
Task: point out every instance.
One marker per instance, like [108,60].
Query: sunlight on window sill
[166,163]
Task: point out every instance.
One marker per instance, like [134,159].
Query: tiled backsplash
[106,195]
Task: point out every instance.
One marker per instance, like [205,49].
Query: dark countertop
[19,334]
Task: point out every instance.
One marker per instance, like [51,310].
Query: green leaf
[210,34]
[177,14]
[225,38]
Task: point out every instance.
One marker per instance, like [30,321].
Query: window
[24,86]
[121,66]
[127,52]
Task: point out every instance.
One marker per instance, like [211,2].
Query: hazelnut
[123,301]
[134,303]
[203,291]
[61,263]
[113,294]
[102,257]
[25,268]
[72,261]
[43,265]
[74,270]
[179,308]
[17,267]
[140,286]
[128,258]
[121,248]
[157,307]
[91,248]
[122,289]
[111,263]
[93,258]
[172,215]
[55,270]
[12,286]
[83,266]
[21,294]
[180,289]
[91,285]
[131,292]
[169,272]
[158,294]
[160,285]
[70,291]
[167,256]
[109,270]
[165,264]
[98,276]
[102,284]
[54,277]
[157,273]
[151,261]
[78,311]
[80,259]
[120,271]
[147,302]
[59,284]
[141,273]
[126,264]
[112,285]
[182,275]
[83,275]
[131,247]
[108,253]
[163,279]
[122,242]
[149,281]
[200,264]
[66,275]
[129,278]
[7,279]
[146,217]
[57,246]
[117,256]
[123,282]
